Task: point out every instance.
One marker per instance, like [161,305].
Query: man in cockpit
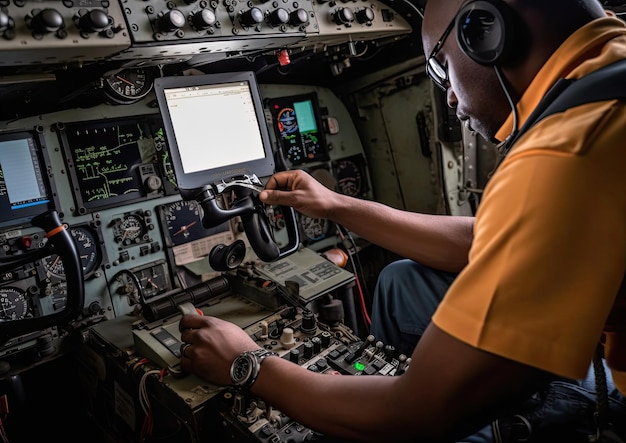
[492,308]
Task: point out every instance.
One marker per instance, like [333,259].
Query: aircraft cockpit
[126,200]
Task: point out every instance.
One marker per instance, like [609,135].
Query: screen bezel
[322,156]
[261,167]
[24,215]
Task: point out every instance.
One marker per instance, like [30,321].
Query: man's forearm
[438,241]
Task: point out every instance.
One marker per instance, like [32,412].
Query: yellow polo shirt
[549,249]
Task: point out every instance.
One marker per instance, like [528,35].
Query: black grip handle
[60,242]
[259,232]
[250,209]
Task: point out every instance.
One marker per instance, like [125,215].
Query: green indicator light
[359,366]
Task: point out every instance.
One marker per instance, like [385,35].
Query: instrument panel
[151,32]
[106,170]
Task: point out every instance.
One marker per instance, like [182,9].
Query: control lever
[250,209]
[247,181]
[185,308]
[188,308]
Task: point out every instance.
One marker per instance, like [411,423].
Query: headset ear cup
[484,31]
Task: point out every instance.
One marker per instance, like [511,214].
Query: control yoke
[60,242]
[251,210]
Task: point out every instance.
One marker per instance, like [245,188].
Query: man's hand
[301,191]
[213,345]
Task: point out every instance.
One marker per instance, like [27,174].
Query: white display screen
[214,125]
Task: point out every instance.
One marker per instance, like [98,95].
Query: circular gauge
[127,85]
[314,228]
[184,222]
[350,177]
[88,253]
[153,280]
[13,303]
[129,229]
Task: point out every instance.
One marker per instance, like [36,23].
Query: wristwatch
[245,368]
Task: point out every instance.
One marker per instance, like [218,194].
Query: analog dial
[153,280]
[314,228]
[88,252]
[130,229]
[128,85]
[13,303]
[351,179]
[183,221]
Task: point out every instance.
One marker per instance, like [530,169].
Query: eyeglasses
[434,69]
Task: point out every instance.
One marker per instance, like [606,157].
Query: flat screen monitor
[298,128]
[24,186]
[110,159]
[215,126]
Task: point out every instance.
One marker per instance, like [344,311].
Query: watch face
[241,369]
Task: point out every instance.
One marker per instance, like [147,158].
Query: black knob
[369,340]
[46,20]
[251,17]
[298,17]
[203,19]
[294,355]
[390,352]
[308,350]
[365,15]
[278,17]
[317,345]
[322,364]
[326,338]
[343,16]
[95,20]
[309,325]
[171,21]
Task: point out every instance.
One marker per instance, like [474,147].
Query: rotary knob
[298,17]
[171,20]
[365,15]
[5,21]
[46,20]
[343,16]
[203,19]
[95,20]
[251,17]
[278,17]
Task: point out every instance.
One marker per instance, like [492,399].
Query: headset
[488,32]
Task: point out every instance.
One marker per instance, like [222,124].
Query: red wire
[366,316]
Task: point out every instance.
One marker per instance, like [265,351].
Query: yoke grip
[60,242]
[259,233]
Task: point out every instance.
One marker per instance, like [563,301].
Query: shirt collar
[583,52]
